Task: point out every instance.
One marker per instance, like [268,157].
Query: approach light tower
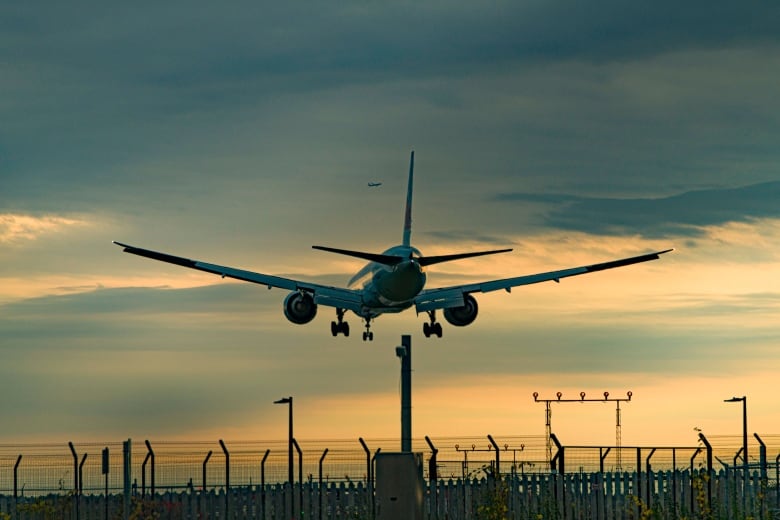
[606,398]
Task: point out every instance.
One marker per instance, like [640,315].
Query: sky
[243,134]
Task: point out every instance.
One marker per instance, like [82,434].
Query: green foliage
[637,508]
[494,506]
[700,489]
[141,509]
[46,508]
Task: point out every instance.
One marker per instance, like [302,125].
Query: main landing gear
[434,327]
[340,325]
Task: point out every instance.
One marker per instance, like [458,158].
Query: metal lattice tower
[606,398]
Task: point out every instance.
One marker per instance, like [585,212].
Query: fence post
[75,477]
[206,461]
[639,473]
[143,474]
[320,479]
[262,480]
[498,465]
[149,455]
[227,478]
[558,455]
[693,491]
[127,473]
[368,475]
[16,477]
[433,479]
[710,473]
[559,458]
[300,477]
[104,469]
[602,456]
[764,477]
[81,474]
[648,477]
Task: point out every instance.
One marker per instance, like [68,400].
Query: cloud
[685,215]
[17,228]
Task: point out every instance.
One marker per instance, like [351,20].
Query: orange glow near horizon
[674,294]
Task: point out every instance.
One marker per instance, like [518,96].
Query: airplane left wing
[323,294]
[448,297]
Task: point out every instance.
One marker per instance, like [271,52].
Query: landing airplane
[391,282]
[374,184]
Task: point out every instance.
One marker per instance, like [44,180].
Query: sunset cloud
[19,228]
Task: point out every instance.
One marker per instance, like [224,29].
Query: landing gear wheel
[339,326]
[433,327]
[368,335]
[436,329]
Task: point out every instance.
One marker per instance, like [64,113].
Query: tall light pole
[744,430]
[289,400]
[744,447]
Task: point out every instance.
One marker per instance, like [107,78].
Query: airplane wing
[448,297]
[323,294]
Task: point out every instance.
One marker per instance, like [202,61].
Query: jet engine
[464,315]
[299,307]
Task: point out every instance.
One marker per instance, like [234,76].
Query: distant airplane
[374,184]
[391,282]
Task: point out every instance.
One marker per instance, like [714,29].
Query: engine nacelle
[299,307]
[462,316]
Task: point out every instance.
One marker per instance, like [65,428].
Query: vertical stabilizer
[408,213]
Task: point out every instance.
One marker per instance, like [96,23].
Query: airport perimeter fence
[335,479]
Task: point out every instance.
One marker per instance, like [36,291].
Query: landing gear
[340,325]
[368,335]
[433,327]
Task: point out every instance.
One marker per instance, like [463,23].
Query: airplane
[391,282]
[374,184]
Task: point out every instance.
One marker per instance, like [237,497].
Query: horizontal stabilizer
[430,260]
[372,257]
[395,259]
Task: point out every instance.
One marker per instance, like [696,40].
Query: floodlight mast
[582,399]
[743,400]
[290,478]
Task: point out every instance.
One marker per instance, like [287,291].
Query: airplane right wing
[322,294]
[449,297]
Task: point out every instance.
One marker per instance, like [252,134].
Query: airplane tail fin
[395,259]
[407,241]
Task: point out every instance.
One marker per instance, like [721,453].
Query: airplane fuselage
[390,288]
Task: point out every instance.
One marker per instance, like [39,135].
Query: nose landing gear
[368,335]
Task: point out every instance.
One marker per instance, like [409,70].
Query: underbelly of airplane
[374,311]
[375,304]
